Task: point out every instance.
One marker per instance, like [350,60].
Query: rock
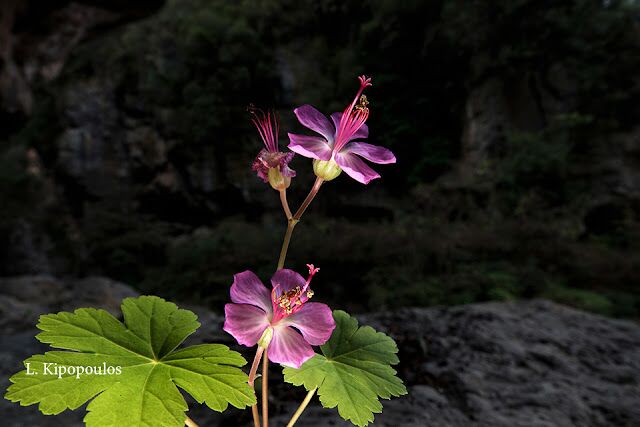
[146,147]
[55,295]
[42,290]
[37,39]
[98,292]
[485,119]
[25,250]
[617,172]
[518,364]
[532,363]
[494,108]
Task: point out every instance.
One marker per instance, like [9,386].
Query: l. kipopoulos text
[54,369]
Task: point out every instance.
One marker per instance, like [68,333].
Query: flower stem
[190,423]
[307,201]
[252,378]
[293,220]
[302,407]
[265,390]
[285,204]
[285,243]
[256,415]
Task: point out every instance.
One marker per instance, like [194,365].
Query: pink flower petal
[314,320]
[245,323]
[286,280]
[361,133]
[285,170]
[310,146]
[316,121]
[248,289]
[355,168]
[373,153]
[289,348]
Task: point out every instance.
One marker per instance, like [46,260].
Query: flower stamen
[292,300]
[362,104]
[289,300]
[268,127]
[271,165]
[354,116]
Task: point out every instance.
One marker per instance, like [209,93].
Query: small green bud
[326,169]
[277,180]
[265,339]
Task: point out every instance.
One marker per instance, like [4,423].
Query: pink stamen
[352,118]
[286,303]
[274,293]
[268,131]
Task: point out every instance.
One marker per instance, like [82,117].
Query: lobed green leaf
[353,372]
[145,392]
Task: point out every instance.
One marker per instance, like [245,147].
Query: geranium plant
[131,372]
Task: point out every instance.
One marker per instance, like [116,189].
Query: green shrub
[580,298]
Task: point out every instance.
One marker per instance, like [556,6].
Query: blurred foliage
[199,264]
[414,238]
[587,300]
[541,161]
[19,188]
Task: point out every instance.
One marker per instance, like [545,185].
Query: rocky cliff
[36,40]
[520,364]
[125,145]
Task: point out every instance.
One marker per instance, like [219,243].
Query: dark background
[125,147]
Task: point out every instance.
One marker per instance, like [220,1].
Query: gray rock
[517,364]
[98,292]
[26,249]
[30,57]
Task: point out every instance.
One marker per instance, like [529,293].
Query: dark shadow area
[125,147]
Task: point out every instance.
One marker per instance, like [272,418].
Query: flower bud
[265,339]
[277,180]
[326,169]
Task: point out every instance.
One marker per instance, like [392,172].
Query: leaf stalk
[302,407]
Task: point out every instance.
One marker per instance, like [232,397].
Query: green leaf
[353,371]
[145,391]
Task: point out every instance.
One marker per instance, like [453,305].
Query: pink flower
[296,323]
[269,157]
[337,142]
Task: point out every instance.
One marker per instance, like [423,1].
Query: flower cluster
[282,321]
[337,145]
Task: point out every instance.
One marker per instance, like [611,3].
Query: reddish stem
[252,378]
[265,390]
